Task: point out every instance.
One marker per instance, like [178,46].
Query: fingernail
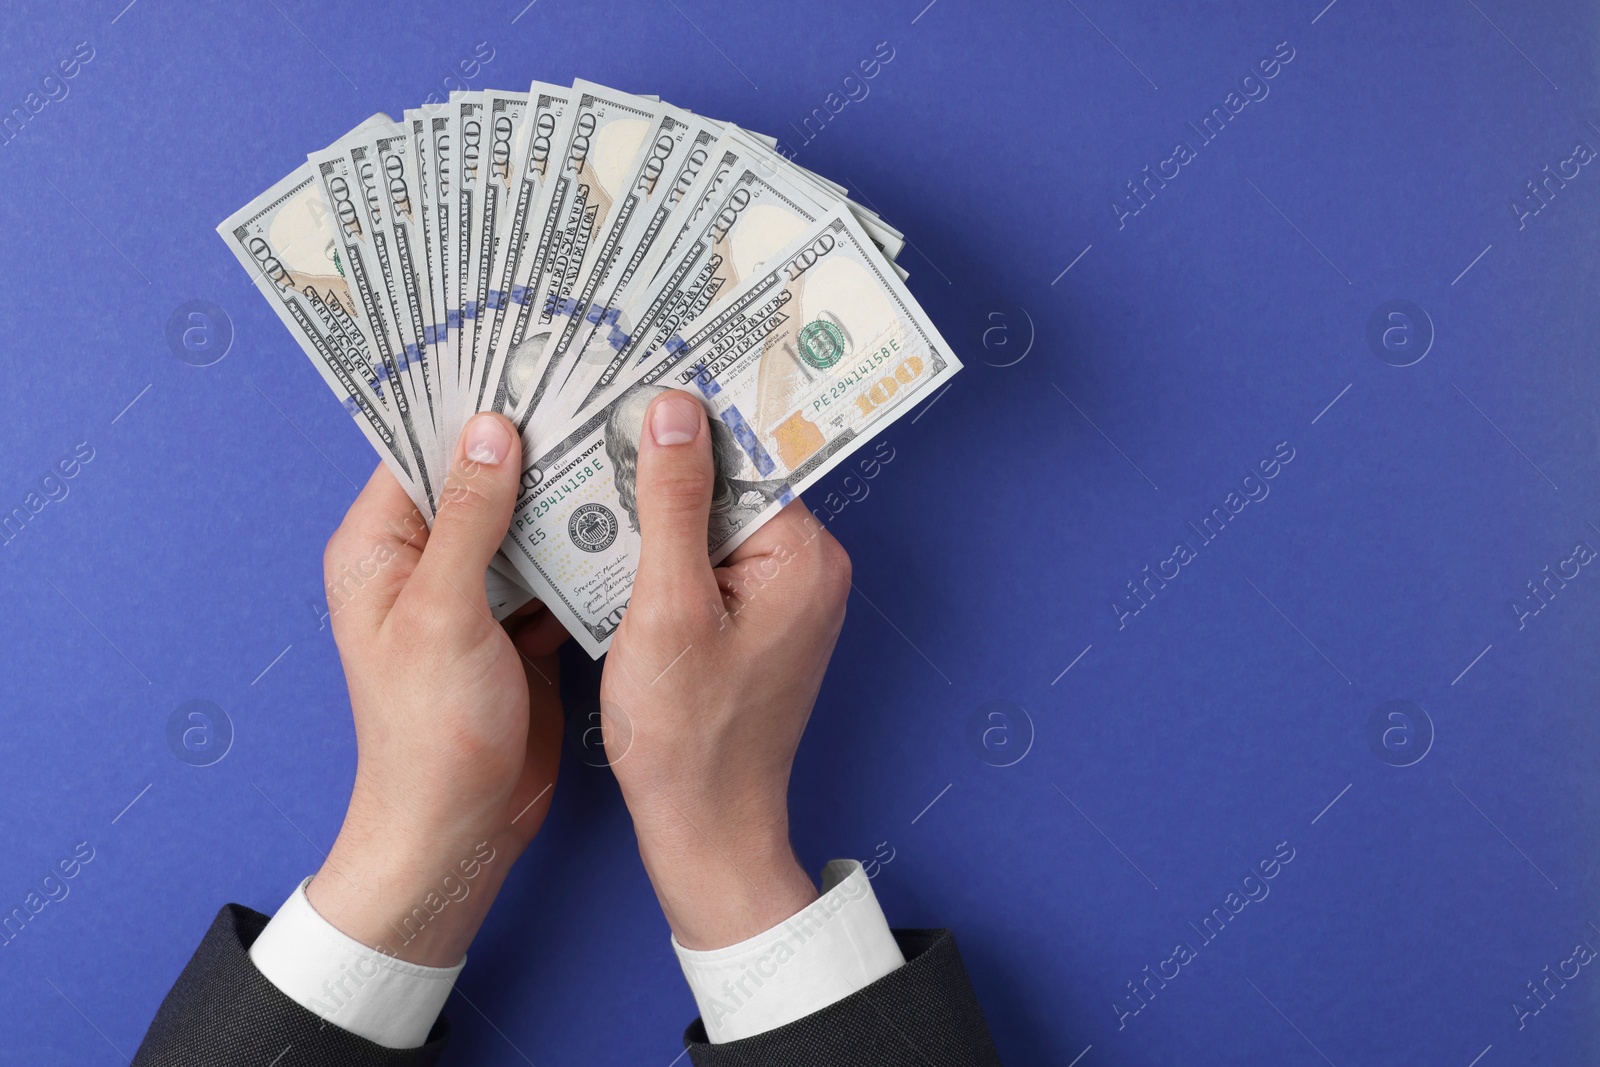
[675,420]
[487,441]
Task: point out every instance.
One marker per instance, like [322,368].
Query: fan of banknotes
[563,255]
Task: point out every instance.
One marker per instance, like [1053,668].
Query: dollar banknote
[634,252]
[804,362]
[285,240]
[394,182]
[747,213]
[563,255]
[379,233]
[344,203]
[357,221]
[626,194]
[749,204]
[601,125]
[542,122]
[492,203]
[430,146]
[466,135]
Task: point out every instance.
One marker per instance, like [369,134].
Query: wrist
[421,900]
[718,889]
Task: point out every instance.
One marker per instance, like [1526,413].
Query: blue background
[1103,408]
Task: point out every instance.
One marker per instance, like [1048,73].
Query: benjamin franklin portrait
[521,363]
[735,500]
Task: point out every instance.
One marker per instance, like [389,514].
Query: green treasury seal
[821,344]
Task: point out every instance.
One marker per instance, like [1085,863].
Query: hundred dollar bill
[770,161]
[466,134]
[607,354]
[746,216]
[601,121]
[546,108]
[677,205]
[445,156]
[625,236]
[765,157]
[344,201]
[377,352]
[357,211]
[668,289]
[804,363]
[871,221]
[429,127]
[492,201]
[625,191]
[284,239]
[388,250]
[431,150]
[648,230]
[885,236]
[733,152]
[398,189]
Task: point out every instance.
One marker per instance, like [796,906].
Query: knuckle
[832,568]
[425,632]
[411,531]
[337,553]
[422,619]
[679,488]
[343,635]
[680,615]
[413,624]
[468,493]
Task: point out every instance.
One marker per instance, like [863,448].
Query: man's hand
[458,718]
[709,683]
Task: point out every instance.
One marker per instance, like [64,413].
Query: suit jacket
[222,1012]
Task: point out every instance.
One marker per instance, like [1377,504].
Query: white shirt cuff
[385,1000]
[833,948]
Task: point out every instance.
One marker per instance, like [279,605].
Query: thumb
[474,506]
[673,495]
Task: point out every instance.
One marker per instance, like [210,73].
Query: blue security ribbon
[746,438]
[707,384]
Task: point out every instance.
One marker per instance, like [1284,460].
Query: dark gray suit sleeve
[222,1012]
[921,1015]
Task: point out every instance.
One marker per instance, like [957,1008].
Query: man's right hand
[708,685]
